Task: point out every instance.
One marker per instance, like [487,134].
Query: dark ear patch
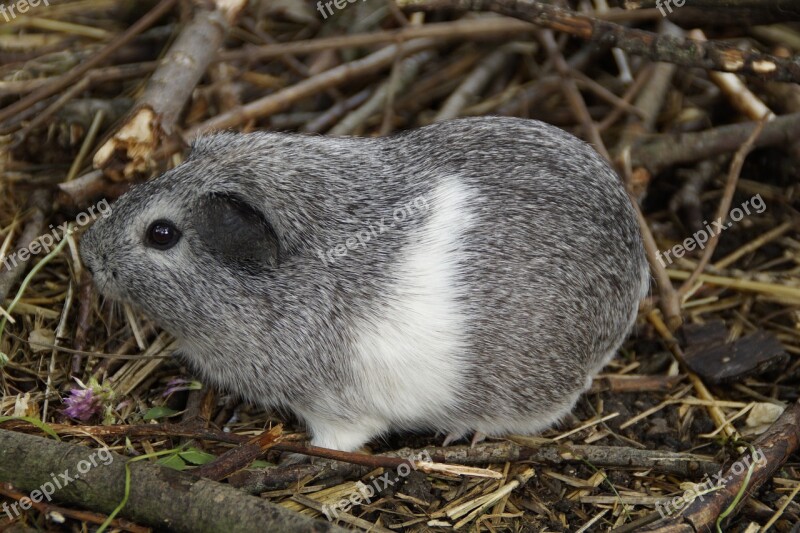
[236,232]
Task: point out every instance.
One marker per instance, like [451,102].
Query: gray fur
[549,269]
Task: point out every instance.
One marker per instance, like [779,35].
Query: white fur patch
[408,366]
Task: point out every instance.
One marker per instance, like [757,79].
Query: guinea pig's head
[179,246]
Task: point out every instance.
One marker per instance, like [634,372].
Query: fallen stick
[723,207]
[780,441]
[159,497]
[679,464]
[473,29]
[709,55]
[783,10]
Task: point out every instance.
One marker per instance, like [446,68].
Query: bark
[160,497]
[681,148]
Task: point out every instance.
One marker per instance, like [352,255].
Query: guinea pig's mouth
[106,286]
[104,278]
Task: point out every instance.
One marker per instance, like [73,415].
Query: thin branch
[724,206]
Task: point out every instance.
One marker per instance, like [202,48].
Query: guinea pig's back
[552,260]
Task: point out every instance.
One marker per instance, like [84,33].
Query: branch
[777,10]
[275,102]
[131,148]
[195,505]
[669,150]
[777,445]
[487,453]
[709,55]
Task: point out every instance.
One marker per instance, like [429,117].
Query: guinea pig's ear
[236,231]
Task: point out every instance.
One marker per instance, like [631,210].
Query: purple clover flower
[82,404]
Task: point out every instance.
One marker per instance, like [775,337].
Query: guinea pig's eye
[163,235]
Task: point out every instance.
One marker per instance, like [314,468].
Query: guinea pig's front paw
[291,459]
[340,436]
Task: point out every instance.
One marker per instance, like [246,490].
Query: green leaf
[34,421]
[159,412]
[260,463]
[173,461]
[197,457]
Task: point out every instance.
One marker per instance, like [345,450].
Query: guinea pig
[468,277]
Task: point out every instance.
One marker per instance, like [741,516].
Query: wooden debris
[708,353]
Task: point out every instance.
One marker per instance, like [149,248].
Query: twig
[241,456]
[688,196]
[785,9]
[406,72]
[737,92]
[642,78]
[724,206]
[53,108]
[83,325]
[487,453]
[60,332]
[650,102]
[702,391]
[40,204]
[499,27]
[473,84]
[324,120]
[572,94]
